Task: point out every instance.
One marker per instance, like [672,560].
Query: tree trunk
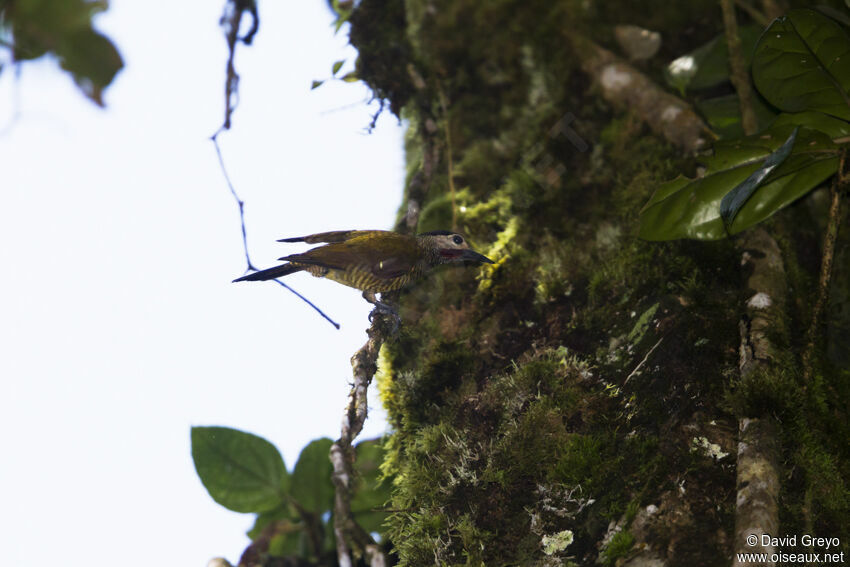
[580,399]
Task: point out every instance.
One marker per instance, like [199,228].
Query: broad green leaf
[350,77]
[54,17]
[371,495]
[92,60]
[732,201]
[708,65]
[337,66]
[723,114]
[829,125]
[241,471]
[312,487]
[690,208]
[802,62]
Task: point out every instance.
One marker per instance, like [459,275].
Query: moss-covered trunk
[579,400]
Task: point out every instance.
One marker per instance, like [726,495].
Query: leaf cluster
[801,67]
[294,510]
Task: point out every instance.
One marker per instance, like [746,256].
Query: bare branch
[758,468]
[348,533]
[625,86]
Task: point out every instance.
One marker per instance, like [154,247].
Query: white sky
[119,327]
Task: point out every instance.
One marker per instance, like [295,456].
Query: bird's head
[451,247]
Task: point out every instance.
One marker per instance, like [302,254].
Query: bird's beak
[473,256]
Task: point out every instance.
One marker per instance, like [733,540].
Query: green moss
[556,274]
[619,546]
[437,214]
[500,252]
[642,324]
[471,479]
[376,24]
[518,383]
[767,390]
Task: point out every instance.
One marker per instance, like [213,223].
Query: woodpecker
[374,261]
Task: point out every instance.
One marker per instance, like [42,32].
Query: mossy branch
[624,86]
[364,363]
[839,185]
[738,66]
[758,469]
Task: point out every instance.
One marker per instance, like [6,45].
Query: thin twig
[739,76]
[310,303]
[839,184]
[642,362]
[241,204]
[231,21]
[239,201]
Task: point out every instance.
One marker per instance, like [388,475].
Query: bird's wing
[386,256]
[332,237]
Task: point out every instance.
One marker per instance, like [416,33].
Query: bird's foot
[386,309]
[382,308]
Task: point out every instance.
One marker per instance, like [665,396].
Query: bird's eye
[457,239]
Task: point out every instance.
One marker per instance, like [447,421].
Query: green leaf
[64,27]
[690,208]
[241,471]
[829,125]
[723,114]
[732,201]
[343,17]
[92,60]
[708,65]
[371,495]
[312,487]
[337,66]
[802,62]
[316,84]
[350,77]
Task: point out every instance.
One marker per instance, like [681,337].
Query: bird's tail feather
[333,236]
[270,273]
